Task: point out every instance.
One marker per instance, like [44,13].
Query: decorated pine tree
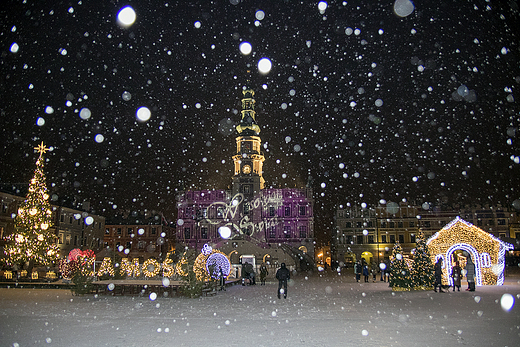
[399,272]
[33,241]
[422,270]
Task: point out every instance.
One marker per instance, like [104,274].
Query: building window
[411,224]
[400,225]
[391,225]
[501,222]
[220,212]
[302,210]
[287,231]
[187,233]
[204,232]
[370,238]
[154,230]
[348,225]
[359,239]
[246,209]
[303,231]
[247,189]
[383,224]
[118,231]
[75,240]
[61,239]
[271,211]
[502,235]
[392,238]
[128,245]
[141,244]
[70,220]
[107,231]
[401,238]
[287,212]
[412,238]
[62,218]
[67,240]
[383,238]
[370,224]
[205,212]
[129,231]
[272,232]
[427,224]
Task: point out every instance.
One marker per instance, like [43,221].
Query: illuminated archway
[367,257]
[449,264]
[303,249]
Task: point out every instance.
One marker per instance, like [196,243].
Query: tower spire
[248,159]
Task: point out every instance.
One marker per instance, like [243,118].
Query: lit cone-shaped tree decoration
[422,271]
[399,272]
[33,240]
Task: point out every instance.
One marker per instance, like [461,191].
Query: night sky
[361,103]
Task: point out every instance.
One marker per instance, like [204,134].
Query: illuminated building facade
[271,225]
[370,233]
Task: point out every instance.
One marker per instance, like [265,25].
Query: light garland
[486,251]
[131,269]
[168,269]
[151,268]
[205,261]
[106,267]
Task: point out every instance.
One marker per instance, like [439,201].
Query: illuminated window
[67,240]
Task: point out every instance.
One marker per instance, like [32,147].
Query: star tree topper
[41,149]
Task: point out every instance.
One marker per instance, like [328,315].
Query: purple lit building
[267,225]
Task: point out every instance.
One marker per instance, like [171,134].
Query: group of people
[283,275]
[456,275]
[362,268]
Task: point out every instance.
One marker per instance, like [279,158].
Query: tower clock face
[246,169]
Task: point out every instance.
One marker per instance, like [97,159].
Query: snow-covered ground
[329,310]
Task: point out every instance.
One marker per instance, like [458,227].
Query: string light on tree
[33,240]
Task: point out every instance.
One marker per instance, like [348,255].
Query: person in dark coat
[357,270]
[438,276]
[456,276]
[470,275]
[283,275]
[263,274]
[365,272]
[222,279]
[245,273]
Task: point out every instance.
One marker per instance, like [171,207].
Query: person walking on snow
[456,276]
[438,276]
[283,275]
[263,274]
[470,274]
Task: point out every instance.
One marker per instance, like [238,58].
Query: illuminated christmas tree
[399,272]
[33,240]
[422,270]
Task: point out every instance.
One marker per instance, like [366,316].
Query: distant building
[370,233]
[73,228]
[136,235]
[265,224]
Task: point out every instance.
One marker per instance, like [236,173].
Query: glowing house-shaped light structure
[485,250]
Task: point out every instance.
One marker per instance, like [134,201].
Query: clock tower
[248,160]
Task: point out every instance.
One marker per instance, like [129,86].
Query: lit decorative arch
[303,249]
[474,257]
